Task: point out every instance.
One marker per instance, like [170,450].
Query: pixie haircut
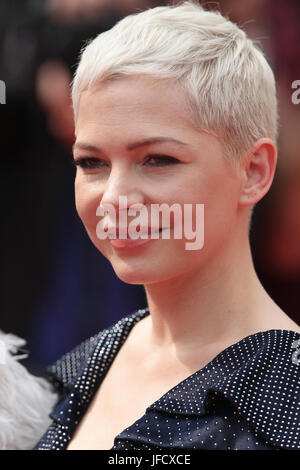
[229,86]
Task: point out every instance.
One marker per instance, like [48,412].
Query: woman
[175,105]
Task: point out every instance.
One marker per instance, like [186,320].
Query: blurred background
[56,288]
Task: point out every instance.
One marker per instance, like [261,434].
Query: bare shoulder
[280,320]
[293,326]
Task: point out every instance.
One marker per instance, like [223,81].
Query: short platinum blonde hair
[229,85]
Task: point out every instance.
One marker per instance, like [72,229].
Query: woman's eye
[91,163]
[161,160]
[88,163]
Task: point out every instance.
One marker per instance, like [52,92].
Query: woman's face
[187,169]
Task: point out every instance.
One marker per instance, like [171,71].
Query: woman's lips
[116,232]
[128,243]
[131,243]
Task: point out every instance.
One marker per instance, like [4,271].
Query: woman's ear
[258,171]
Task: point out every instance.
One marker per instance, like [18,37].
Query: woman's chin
[132,276]
[144,274]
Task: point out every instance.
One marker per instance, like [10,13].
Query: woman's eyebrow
[153,140]
[134,145]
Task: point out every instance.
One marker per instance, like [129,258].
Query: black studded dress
[247,397]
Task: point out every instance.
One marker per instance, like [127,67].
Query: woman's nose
[122,191]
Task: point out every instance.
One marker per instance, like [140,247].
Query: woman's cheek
[86,202]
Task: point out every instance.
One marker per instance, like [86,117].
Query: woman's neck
[219,304]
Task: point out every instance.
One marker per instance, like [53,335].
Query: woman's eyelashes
[90,163]
[161,160]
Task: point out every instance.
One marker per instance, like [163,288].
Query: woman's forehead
[134,106]
[136,94]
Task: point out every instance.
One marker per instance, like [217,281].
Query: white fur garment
[25,400]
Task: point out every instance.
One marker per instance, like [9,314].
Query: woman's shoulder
[259,375]
[64,371]
[265,387]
